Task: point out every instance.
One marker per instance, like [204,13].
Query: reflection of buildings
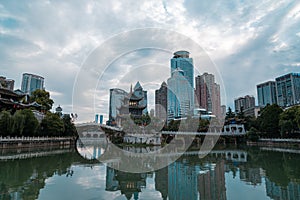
[211,185]
[182,180]
[128,183]
[251,175]
[161,182]
[290,192]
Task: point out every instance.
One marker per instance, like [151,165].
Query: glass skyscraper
[116,97]
[266,93]
[180,97]
[31,82]
[182,60]
[288,89]
[181,86]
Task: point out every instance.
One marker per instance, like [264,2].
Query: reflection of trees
[280,168]
[27,176]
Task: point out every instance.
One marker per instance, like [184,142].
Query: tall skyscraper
[139,92]
[223,111]
[244,103]
[288,89]
[161,99]
[180,99]
[182,60]
[116,97]
[266,93]
[31,82]
[208,93]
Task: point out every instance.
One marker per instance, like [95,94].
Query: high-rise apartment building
[266,93]
[161,99]
[223,111]
[7,83]
[244,103]
[288,89]
[208,93]
[31,82]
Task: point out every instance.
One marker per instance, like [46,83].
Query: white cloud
[248,41]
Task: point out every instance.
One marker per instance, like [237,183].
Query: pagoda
[132,106]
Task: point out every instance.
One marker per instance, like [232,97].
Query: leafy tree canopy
[42,97]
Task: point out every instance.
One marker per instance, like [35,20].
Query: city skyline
[251,42]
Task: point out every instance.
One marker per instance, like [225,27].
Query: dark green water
[64,174]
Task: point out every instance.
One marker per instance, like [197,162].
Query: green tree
[288,121]
[241,114]
[229,114]
[269,120]
[298,116]
[252,135]
[42,97]
[52,125]
[69,127]
[30,123]
[18,123]
[5,123]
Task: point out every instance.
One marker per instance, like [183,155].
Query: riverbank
[275,142]
[28,142]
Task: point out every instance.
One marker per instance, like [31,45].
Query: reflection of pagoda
[130,184]
[132,105]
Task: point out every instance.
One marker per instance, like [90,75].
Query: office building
[31,82]
[7,83]
[208,94]
[182,60]
[140,93]
[266,93]
[116,97]
[96,118]
[161,99]
[244,103]
[223,111]
[288,89]
[180,99]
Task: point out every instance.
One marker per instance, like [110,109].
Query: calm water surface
[231,173]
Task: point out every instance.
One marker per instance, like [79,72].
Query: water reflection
[265,174]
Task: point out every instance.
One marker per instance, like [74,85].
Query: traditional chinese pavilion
[132,106]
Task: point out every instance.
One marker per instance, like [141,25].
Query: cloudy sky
[83,48]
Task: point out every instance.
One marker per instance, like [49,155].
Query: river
[229,173]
